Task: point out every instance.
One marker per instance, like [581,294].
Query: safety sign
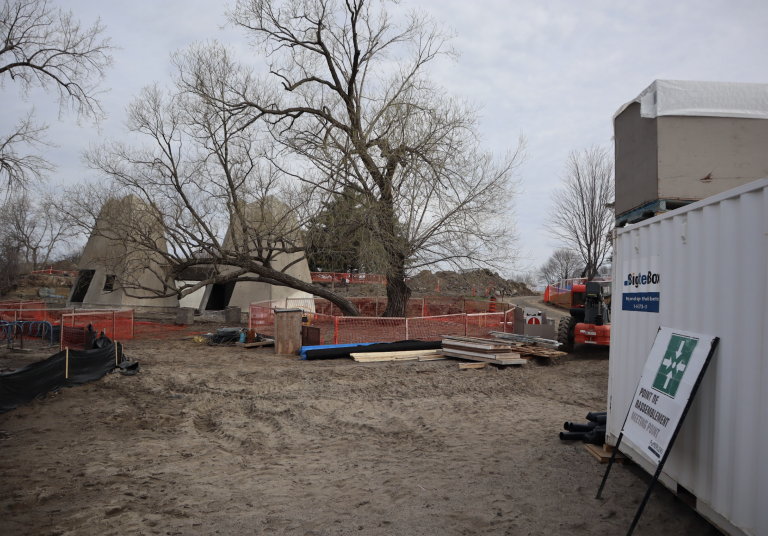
[670,379]
[672,369]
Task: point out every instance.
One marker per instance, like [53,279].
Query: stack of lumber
[486,350]
[527,339]
[409,355]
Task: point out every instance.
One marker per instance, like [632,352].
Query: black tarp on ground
[400,346]
[35,380]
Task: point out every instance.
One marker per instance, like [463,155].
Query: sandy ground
[229,441]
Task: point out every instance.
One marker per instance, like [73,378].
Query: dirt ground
[231,441]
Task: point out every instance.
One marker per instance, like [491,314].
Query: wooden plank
[487,359]
[497,355]
[603,457]
[436,357]
[474,344]
[409,355]
[390,359]
[464,366]
[255,344]
[393,355]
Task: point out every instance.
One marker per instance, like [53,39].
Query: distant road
[537,302]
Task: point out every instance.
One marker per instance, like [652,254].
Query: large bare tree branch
[42,46]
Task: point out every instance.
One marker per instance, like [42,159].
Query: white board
[673,367]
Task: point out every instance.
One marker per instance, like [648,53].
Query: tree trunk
[398,292]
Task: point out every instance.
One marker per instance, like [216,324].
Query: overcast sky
[554,70]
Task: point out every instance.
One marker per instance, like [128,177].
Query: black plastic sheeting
[35,380]
[400,346]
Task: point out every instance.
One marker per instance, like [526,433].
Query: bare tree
[201,193]
[41,46]
[350,101]
[580,216]
[562,264]
[35,228]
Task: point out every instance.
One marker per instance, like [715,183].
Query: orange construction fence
[51,271]
[348,277]
[376,305]
[337,329]
[19,305]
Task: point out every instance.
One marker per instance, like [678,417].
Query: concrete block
[232,315]
[185,316]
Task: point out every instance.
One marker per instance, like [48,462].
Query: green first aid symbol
[674,364]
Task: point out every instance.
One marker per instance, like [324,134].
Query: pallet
[604,455]
[486,359]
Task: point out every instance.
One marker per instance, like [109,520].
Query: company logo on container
[635,280]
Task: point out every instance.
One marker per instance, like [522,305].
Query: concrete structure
[704,255]
[680,142]
[108,270]
[272,221]
[111,269]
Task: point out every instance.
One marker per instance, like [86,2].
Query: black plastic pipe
[568,436]
[594,416]
[577,427]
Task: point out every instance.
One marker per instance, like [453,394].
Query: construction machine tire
[566,334]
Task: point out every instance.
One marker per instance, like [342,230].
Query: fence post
[406,329]
[131,323]
[465,324]
[335,330]
[423,307]
[114,332]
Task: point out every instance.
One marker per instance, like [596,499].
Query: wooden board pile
[498,351]
[487,350]
[408,355]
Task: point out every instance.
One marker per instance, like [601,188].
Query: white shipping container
[712,261]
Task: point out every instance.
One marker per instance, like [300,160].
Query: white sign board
[673,367]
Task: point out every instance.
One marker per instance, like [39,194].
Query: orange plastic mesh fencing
[156,330]
[20,305]
[261,318]
[34,315]
[481,325]
[368,307]
[117,325]
[432,328]
[472,306]
[338,277]
[353,329]
[357,330]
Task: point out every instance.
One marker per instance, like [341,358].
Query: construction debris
[486,350]
[527,339]
[494,350]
